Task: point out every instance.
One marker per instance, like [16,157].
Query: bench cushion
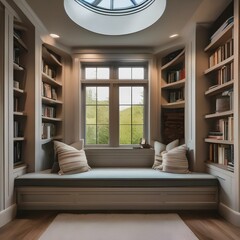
[117,177]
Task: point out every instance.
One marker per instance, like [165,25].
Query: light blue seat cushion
[117,177]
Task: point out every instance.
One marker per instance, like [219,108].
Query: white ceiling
[178,15]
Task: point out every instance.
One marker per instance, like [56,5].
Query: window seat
[117,189]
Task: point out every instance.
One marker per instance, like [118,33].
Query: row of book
[176,95]
[225,74]
[175,75]
[48,130]
[224,130]
[48,111]
[17,153]
[49,70]
[221,154]
[49,91]
[220,54]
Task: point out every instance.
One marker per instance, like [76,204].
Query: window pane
[102,95]
[104,4]
[125,134]
[102,115]
[91,134]
[124,73]
[91,117]
[97,115]
[138,73]
[125,115]
[137,114]
[137,133]
[122,4]
[137,95]
[102,134]
[103,73]
[125,95]
[91,95]
[90,73]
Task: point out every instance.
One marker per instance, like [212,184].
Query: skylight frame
[115,11]
[115,24]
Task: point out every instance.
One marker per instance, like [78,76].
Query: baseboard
[8,214]
[229,214]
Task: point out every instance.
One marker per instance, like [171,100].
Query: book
[228,22]
[47,90]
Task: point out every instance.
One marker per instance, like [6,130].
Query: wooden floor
[29,225]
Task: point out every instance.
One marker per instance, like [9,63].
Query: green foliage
[97,120]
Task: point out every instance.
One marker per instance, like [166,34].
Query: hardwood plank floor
[29,225]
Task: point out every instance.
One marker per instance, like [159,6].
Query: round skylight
[115,6]
[114,17]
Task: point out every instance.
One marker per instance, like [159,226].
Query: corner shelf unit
[173,79]
[52,96]
[220,82]
[173,82]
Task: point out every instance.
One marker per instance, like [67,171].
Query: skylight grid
[113,5]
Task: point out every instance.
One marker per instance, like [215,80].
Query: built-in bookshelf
[220,92]
[52,96]
[173,80]
[20,51]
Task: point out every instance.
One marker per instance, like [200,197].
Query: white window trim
[112,82]
[127,55]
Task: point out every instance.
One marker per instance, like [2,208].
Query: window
[115,104]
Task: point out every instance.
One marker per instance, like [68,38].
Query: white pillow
[175,160]
[161,148]
[70,159]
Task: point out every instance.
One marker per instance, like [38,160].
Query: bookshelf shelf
[19,139]
[46,100]
[50,119]
[19,43]
[49,80]
[175,85]
[219,115]
[20,114]
[179,104]
[221,38]
[178,59]
[18,92]
[212,140]
[50,58]
[48,140]
[17,67]
[219,65]
[219,88]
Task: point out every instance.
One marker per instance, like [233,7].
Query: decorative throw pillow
[161,148]
[78,145]
[70,159]
[175,160]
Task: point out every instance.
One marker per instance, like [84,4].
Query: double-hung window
[114,109]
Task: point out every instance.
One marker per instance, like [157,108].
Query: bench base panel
[64,198]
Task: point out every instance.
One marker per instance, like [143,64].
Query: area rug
[118,227]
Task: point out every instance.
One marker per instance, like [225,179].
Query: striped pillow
[160,149]
[70,159]
[175,160]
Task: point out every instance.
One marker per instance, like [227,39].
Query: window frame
[114,83]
